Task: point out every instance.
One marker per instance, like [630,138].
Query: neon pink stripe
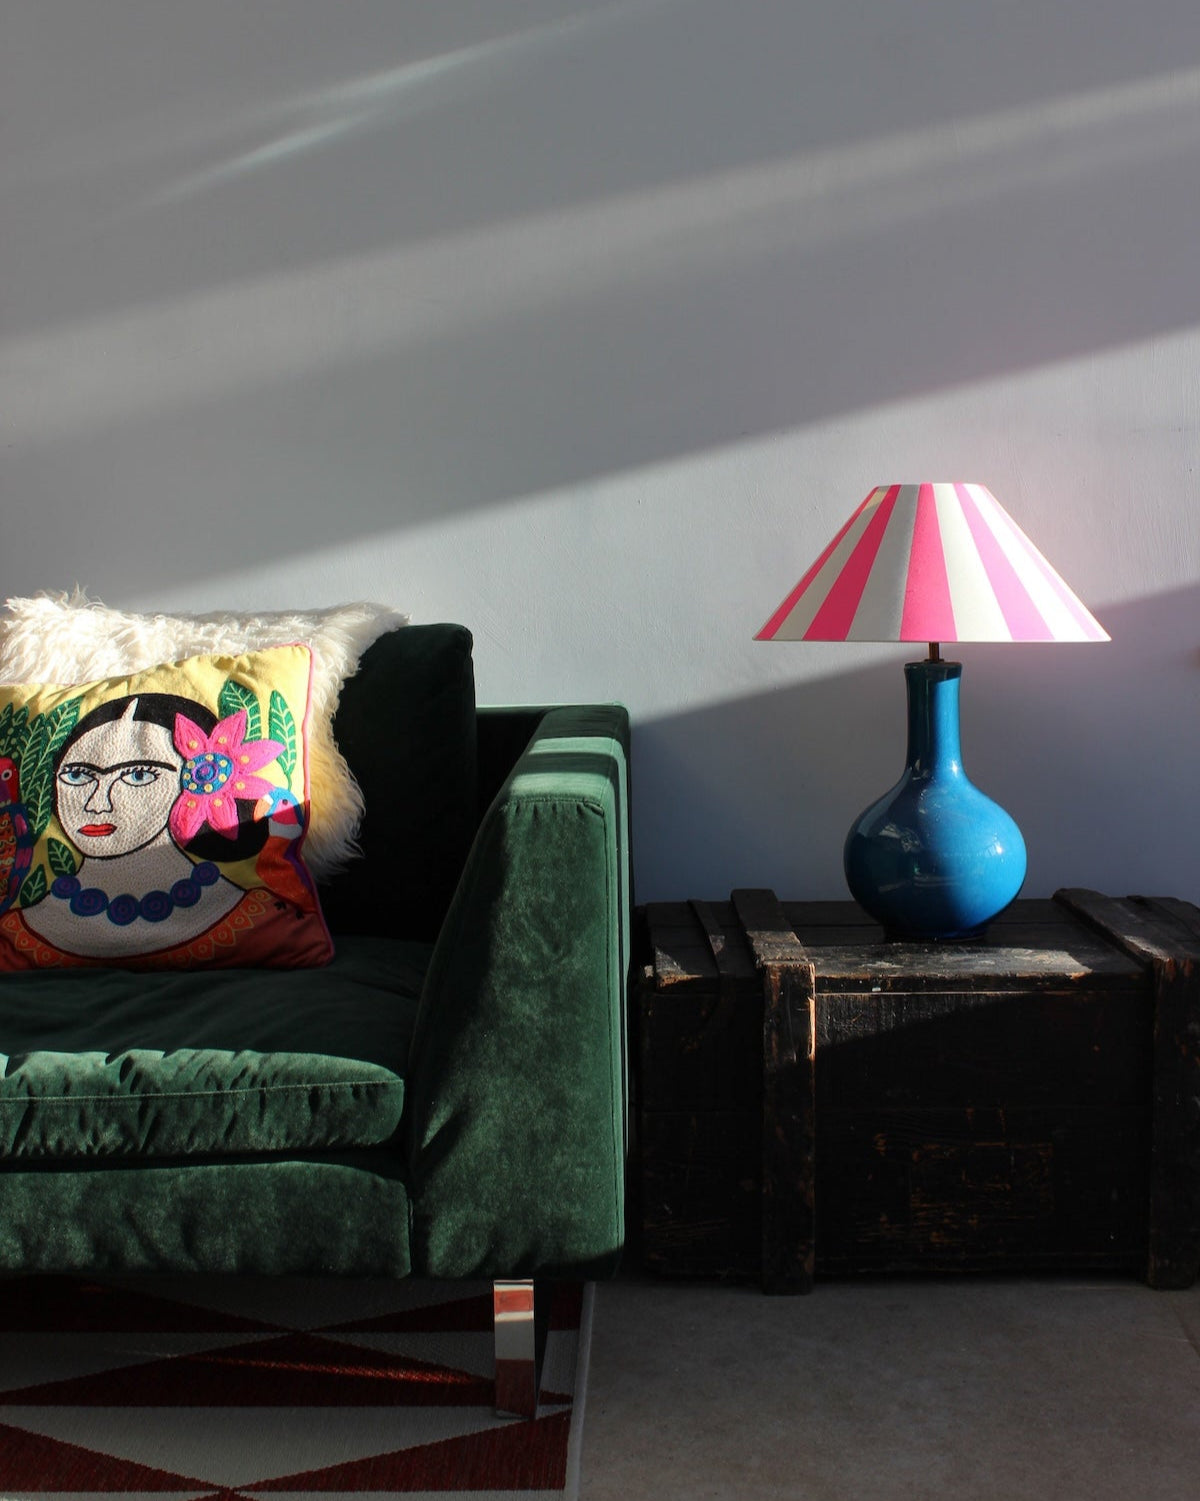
[1024,620]
[928,614]
[789,604]
[1078,612]
[833,620]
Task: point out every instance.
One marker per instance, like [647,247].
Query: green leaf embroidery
[63,721]
[46,737]
[33,887]
[235,696]
[62,858]
[14,731]
[282,727]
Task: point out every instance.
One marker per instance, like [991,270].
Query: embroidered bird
[282,807]
[289,876]
[16,836]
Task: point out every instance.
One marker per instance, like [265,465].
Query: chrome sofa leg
[520,1341]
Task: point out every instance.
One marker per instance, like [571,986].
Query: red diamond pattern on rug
[471,1463]
[197,1388]
[35,1465]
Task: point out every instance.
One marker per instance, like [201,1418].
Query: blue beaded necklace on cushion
[155,906]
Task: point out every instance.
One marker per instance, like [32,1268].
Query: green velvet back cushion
[406,724]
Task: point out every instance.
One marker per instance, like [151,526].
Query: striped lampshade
[931,563]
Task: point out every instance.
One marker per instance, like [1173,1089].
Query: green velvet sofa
[446,1099]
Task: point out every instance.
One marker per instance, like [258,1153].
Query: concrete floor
[1034,1389]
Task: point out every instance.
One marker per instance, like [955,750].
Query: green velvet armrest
[515,1112]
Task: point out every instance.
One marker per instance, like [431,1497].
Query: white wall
[587,322]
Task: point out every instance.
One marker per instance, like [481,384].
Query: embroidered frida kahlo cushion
[157,820]
[69,638]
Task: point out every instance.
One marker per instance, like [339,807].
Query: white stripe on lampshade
[977,612]
[882,602]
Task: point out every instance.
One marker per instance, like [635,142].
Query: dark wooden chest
[813,1098]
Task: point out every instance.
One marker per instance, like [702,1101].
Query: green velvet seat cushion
[331,1214]
[173,1064]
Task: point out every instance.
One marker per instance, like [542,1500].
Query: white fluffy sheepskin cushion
[69,638]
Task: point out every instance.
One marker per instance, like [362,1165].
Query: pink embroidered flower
[218,768]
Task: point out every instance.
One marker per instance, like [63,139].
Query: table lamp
[934,858]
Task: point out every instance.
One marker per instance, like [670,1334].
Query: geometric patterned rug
[211,1388]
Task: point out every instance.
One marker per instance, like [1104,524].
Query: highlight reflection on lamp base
[934,858]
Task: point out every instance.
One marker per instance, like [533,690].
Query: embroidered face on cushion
[117,780]
[161,818]
[135,786]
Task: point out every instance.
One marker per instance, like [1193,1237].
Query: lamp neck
[933,736]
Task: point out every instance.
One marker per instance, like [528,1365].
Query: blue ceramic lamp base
[934,858]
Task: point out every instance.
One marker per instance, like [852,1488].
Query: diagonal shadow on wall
[353,338]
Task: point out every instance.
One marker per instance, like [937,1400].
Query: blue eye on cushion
[140,776]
